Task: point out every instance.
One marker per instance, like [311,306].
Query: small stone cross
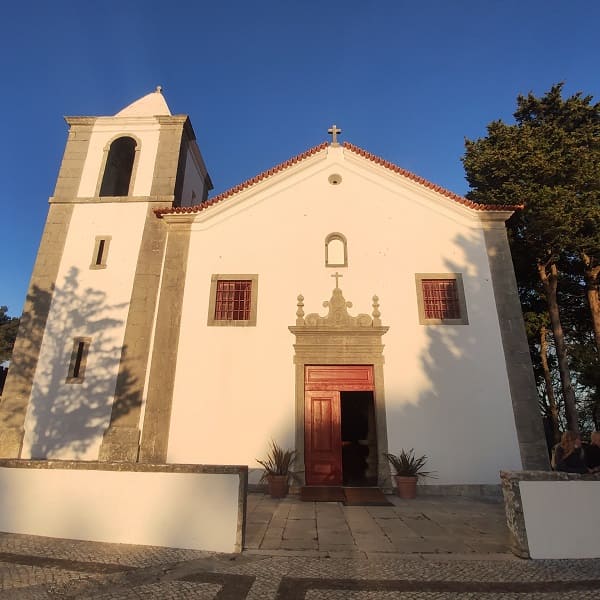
[336,275]
[334,130]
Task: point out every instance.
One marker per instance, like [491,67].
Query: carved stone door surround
[341,339]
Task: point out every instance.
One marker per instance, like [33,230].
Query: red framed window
[440,299]
[233,300]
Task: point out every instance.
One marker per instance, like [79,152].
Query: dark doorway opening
[359,439]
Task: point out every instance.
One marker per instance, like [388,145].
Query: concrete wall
[446,388]
[562,518]
[552,514]
[177,508]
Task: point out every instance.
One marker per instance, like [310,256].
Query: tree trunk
[548,380]
[591,273]
[550,283]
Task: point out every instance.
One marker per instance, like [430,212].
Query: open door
[323,454]
[359,439]
[323,443]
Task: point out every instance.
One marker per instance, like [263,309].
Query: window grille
[440,299]
[233,300]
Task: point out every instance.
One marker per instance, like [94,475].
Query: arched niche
[336,250]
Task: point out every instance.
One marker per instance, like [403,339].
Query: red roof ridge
[242,186]
[437,188]
[314,150]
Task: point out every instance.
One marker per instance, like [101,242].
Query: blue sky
[263,81]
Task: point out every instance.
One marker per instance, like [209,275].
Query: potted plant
[408,469]
[278,470]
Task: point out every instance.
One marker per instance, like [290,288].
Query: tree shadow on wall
[460,413]
[67,420]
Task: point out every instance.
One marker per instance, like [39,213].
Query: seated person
[569,454]
[592,453]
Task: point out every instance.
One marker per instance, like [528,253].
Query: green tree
[549,159]
[571,131]
[8,333]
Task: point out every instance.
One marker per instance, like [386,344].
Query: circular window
[335,179]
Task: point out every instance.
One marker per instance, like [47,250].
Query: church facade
[336,304]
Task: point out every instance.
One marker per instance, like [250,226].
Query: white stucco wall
[184,510]
[104,132]
[67,420]
[446,389]
[562,518]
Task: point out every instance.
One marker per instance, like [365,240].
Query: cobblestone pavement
[34,567]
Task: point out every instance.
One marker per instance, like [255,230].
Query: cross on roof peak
[333,131]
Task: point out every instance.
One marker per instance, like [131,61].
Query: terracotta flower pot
[277,485]
[406,487]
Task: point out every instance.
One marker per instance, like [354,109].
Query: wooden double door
[325,386]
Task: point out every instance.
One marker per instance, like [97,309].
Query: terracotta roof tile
[244,185]
[428,184]
[314,150]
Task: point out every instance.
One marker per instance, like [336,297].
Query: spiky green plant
[278,462]
[406,464]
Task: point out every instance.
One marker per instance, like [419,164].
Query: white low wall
[163,505]
[562,518]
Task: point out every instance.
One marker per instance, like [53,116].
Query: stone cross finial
[337,277]
[334,130]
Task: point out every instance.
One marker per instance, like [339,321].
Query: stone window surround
[251,322]
[342,238]
[71,378]
[102,264]
[463,320]
[136,160]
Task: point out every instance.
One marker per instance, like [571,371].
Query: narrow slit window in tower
[100,253]
[78,361]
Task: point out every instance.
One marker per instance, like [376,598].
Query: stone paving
[424,525]
[41,568]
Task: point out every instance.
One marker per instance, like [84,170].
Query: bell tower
[76,386]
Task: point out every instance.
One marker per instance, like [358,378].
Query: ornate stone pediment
[337,315]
